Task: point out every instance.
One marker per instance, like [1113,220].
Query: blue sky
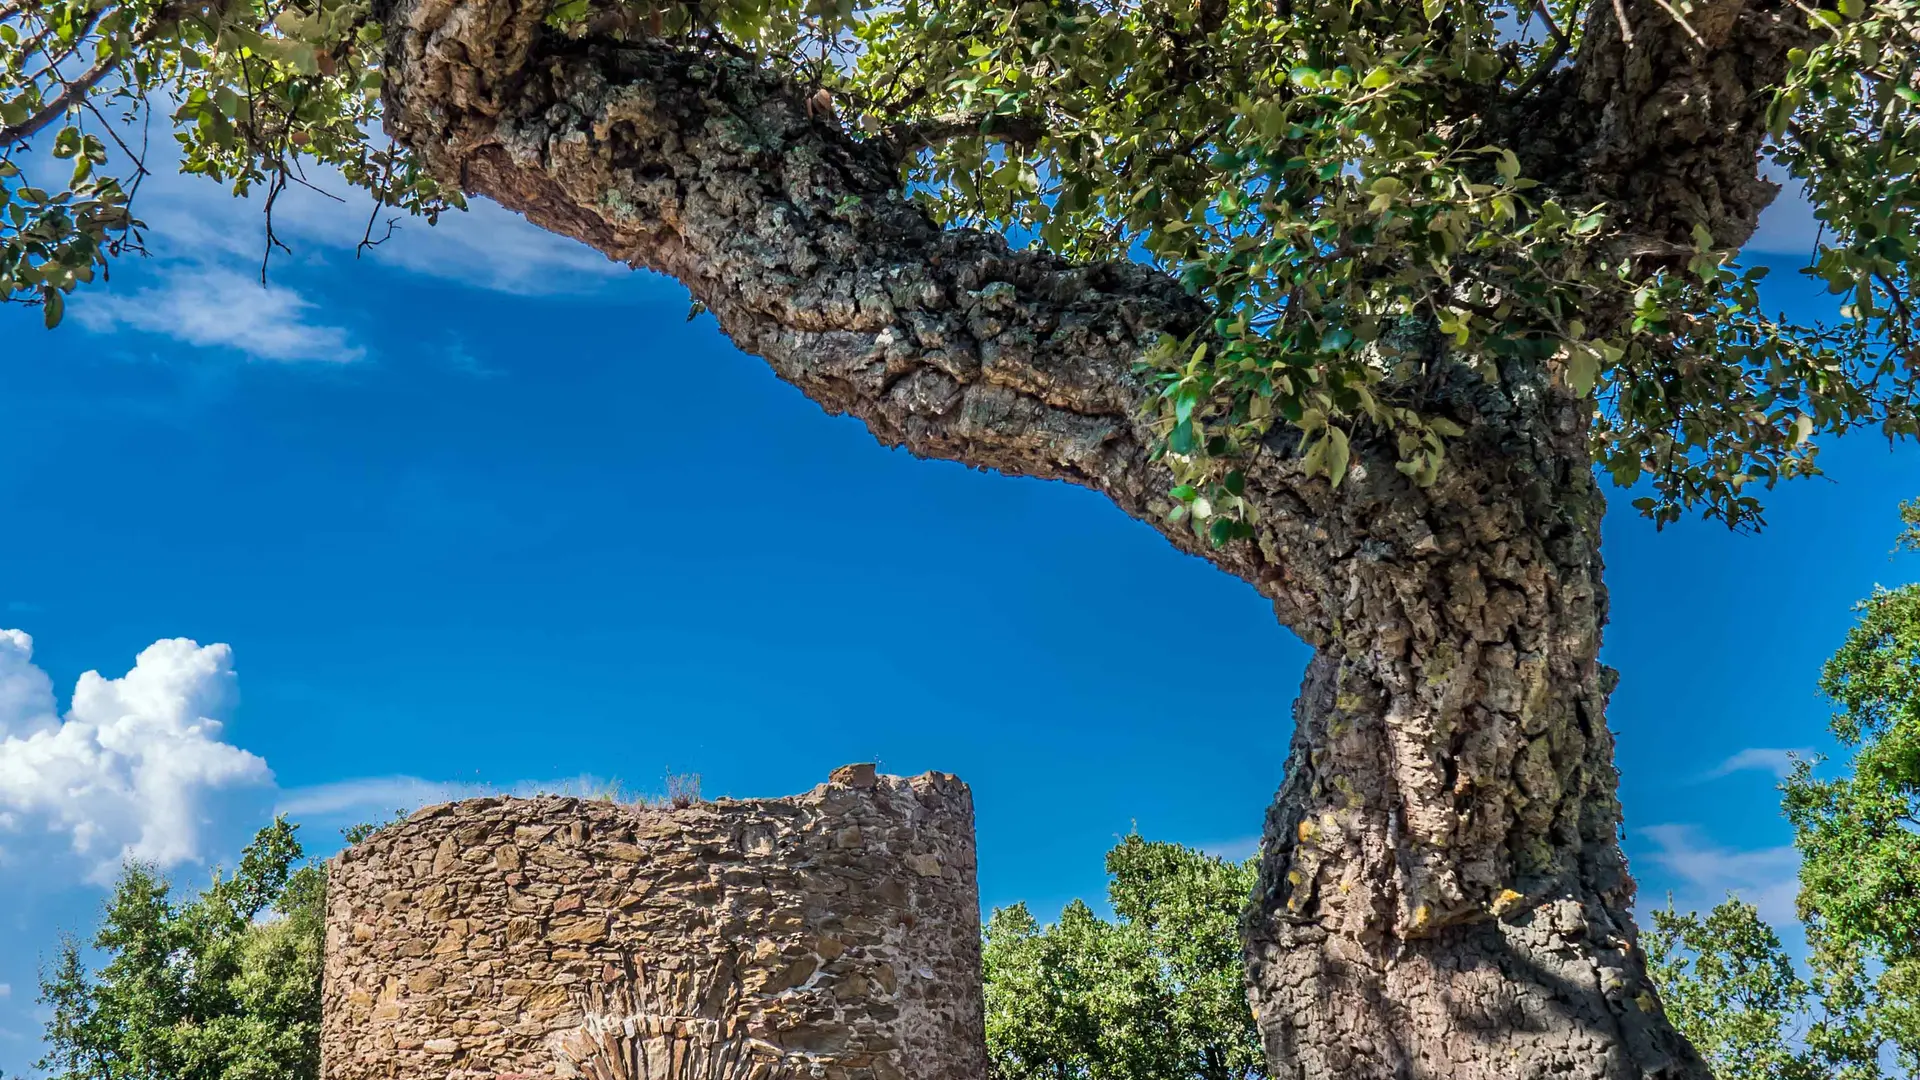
[481,511]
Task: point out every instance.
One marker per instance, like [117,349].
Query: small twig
[273,241]
[379,192]
[139,160]
[1626,28]
[367,241]
[1684,24]
[302,181]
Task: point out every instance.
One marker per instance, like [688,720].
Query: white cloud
[129,771]
[374,796]
[486,247]
[1767,878]
[212,306]
[6,991]
[1778,761]
[1237,850]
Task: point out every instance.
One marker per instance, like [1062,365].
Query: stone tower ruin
[829,936]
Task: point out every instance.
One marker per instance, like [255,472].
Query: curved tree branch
[911,137]
[72,93]
[800,241]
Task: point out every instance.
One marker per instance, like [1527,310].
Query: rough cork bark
[1442,893]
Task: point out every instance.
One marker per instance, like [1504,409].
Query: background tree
[223,987]
[1730,985]
[1351,298]
[1156,994]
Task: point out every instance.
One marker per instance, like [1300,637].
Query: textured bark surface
[1664,119]
[1443,894]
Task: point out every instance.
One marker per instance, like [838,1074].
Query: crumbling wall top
[832,935]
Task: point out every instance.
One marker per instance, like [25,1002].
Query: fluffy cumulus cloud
[130,770]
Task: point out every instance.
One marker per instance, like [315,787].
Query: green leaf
[1338,453]
[1180,441]
[52,307]
[1583,369]
[1184,399]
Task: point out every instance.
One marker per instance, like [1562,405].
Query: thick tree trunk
[1442,893]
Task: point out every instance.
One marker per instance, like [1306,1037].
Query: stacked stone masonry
[829,936]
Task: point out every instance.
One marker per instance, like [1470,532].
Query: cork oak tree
[1361,300]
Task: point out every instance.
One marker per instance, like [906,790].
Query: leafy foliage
[1859,835]
[1326,176]
[1726,979]
[1728,983]
[212,989]
[1157,994]
[1333,179]
[254,91]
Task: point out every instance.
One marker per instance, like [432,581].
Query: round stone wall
[829,936]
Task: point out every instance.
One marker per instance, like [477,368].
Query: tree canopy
[1156,994]
[225,986]
[1357,194]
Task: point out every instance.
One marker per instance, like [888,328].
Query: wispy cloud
[210,306]
[1239,849]
[1778,761]
[461,359]
[375,797]
[1767,878]
[6,991]
[485,247]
